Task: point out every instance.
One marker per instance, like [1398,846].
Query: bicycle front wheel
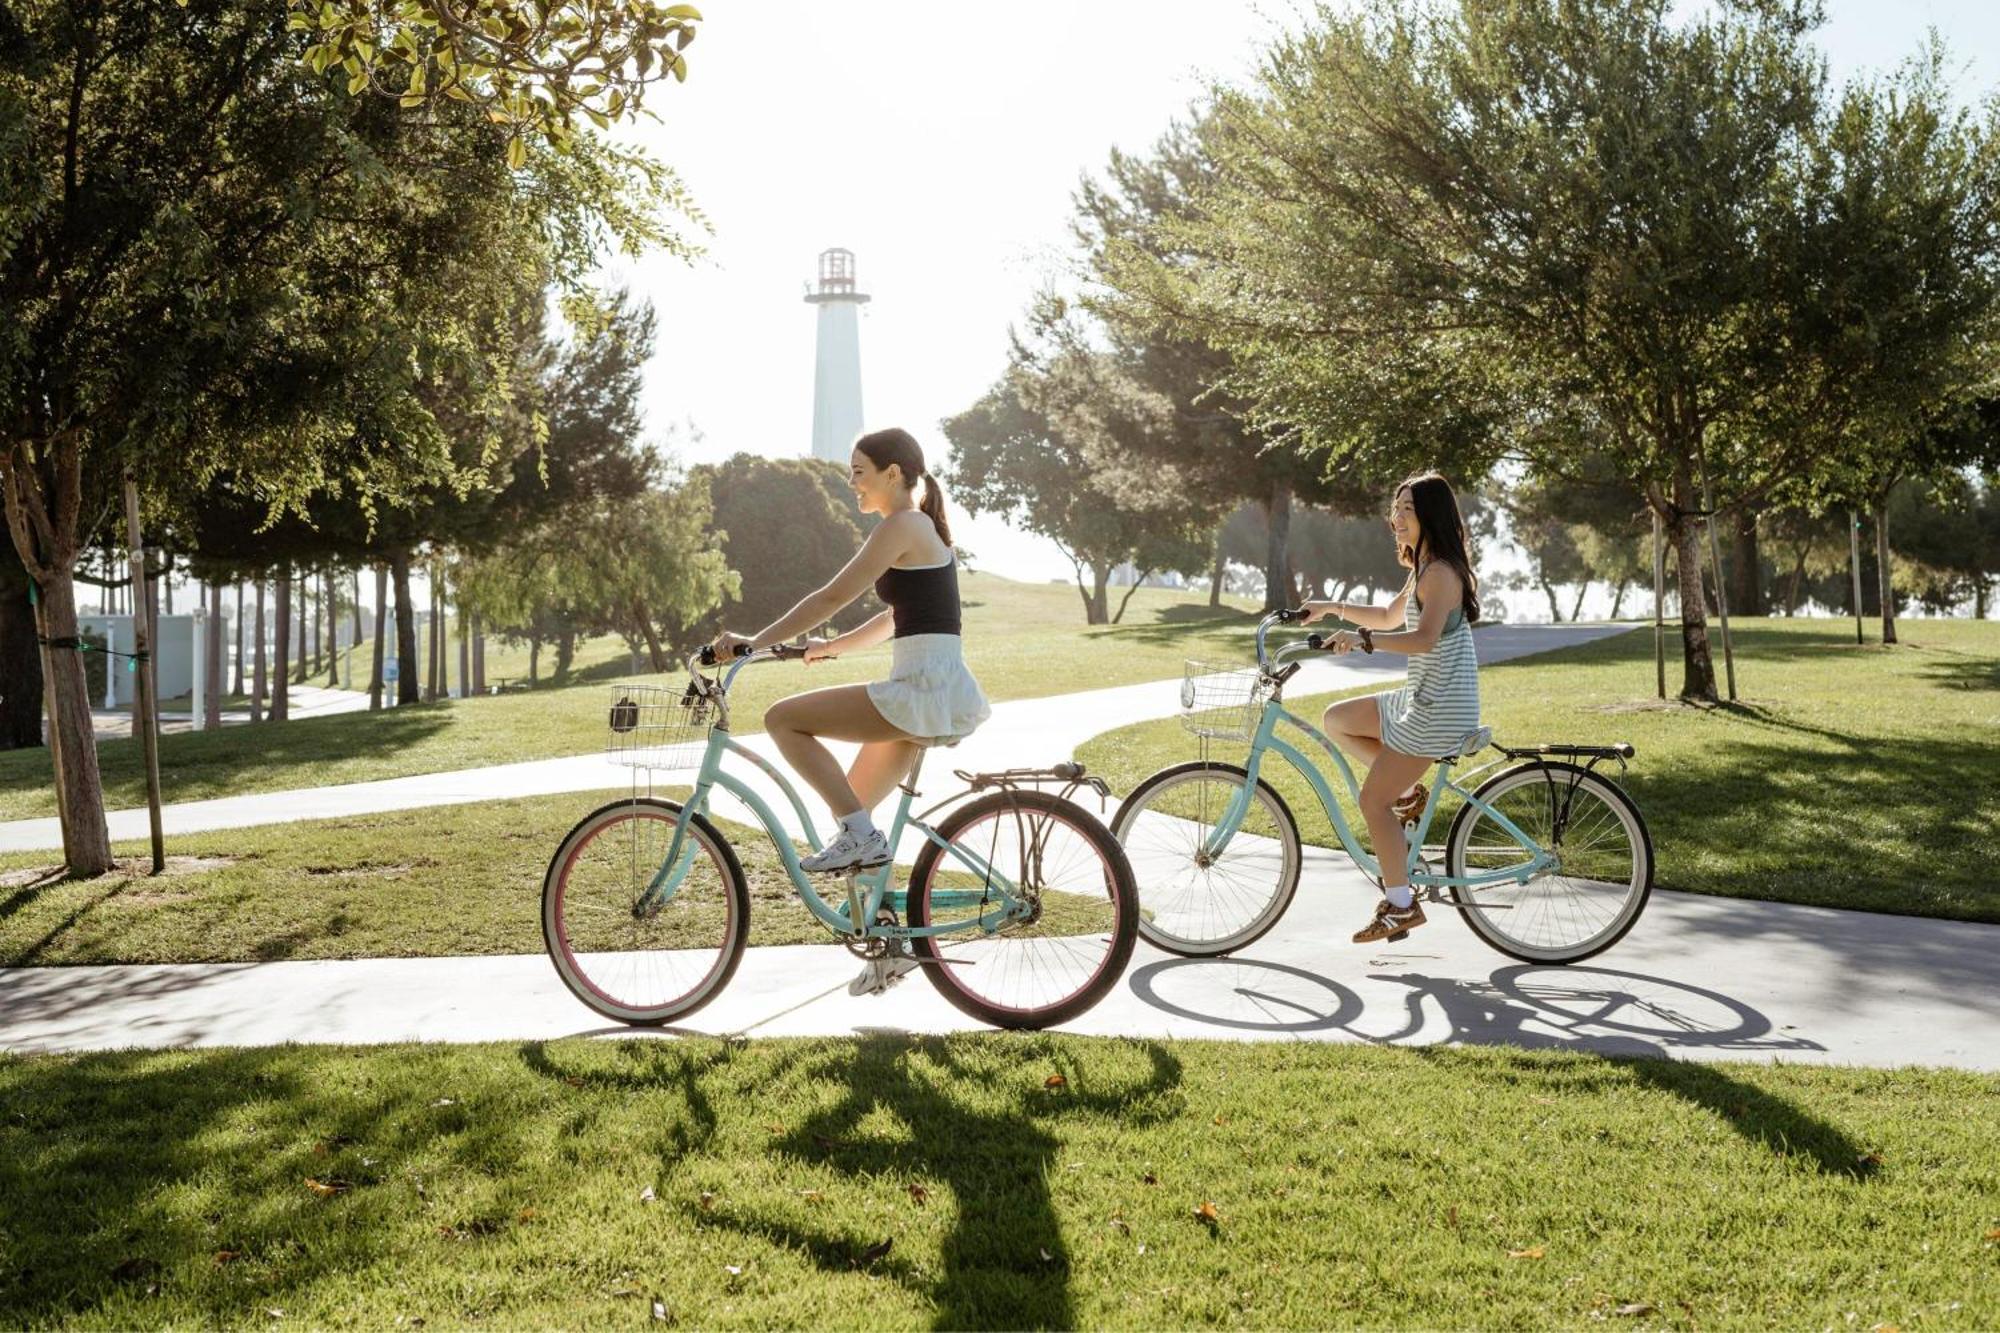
[1589,899]
[630,959]
[1071,947]
[1198,903]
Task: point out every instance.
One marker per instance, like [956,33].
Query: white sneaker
[848,852]
[881,973]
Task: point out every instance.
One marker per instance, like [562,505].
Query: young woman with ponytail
[929,696]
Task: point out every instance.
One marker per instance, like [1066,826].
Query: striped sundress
[1439,700]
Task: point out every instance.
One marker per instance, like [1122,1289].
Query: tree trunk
[1883,572]
[1549,591]
[1792,584]
[1685,530]
[257,649]
[534,660]
[214,663]
[1126,600]
[565,653]
[302,593]
[236,672]
[1854,567]
[358,639]
[1215,575]
[434,659]
[1099,606]
[333,635]
[1618,596]
[20,672]
[281,637]
[652,637]
[150,665]
[465,655]
[146,709]
[407,679]
[478,655]
[381,611]
[79,785]
[1746,567]
[1277,553]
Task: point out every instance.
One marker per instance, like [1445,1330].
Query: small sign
[392,670]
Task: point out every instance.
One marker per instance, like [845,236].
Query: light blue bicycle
[1020,906]
[1548,859]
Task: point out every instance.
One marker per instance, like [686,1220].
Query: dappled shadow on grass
[185,1179]
[1636,1024]
[986,1138]
[193,762]
[1175,624]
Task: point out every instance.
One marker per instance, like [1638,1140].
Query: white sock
[1400,896]
[860,823]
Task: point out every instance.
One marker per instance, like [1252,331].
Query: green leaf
[517,153]
[683,12]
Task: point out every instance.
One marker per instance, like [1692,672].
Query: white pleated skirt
[930,694]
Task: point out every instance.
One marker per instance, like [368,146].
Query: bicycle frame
[1267,739]
[998,902]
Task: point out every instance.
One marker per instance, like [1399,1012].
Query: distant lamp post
[837,357]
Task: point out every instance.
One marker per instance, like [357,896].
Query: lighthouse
[837,358]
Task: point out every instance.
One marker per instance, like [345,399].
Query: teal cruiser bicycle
[1020,907]
[1548,859]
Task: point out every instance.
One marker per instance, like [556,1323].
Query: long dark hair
[1441,535]
[898,446]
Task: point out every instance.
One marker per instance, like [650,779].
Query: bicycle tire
[944,975]
[1259,923]
[568,961]
[1550,772]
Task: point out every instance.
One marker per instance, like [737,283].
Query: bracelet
[1367,640]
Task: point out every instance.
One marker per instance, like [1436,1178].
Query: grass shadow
[1005,1263]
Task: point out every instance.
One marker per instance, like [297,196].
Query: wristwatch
[1367,639]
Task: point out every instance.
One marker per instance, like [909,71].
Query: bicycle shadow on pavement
[1643,1025]
[979,1126]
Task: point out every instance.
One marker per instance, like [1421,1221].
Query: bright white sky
[940,143]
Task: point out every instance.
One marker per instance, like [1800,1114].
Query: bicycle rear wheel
[1192,903]
[1594,894]
[1057,962]
[643,966]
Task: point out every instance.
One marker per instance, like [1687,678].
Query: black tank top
[925,601]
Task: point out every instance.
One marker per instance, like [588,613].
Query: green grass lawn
[464,879]
[1845,776]
[1023,640]
[891,1182]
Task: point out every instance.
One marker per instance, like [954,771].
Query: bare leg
[879,767]
[1388,778]
[841,713]
[1356,727]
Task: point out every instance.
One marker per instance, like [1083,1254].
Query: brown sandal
[1409,809]
[1390,922]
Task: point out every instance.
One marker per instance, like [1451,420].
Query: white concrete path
[1023,732]
[1698,978]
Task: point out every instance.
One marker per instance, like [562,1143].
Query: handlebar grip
[707,655]
[1291,615]
[1067,772]
[1315,641]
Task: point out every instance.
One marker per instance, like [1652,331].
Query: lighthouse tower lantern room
[837,361]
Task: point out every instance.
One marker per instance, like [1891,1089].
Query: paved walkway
[1699,978]
[1023,732]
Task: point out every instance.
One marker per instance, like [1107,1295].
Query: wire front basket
[658,726]
[1223,703]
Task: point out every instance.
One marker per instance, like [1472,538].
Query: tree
[1577,219]
[1010,459]
[196,237]
[786,526]
[20,661]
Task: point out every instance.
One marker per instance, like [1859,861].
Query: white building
[837,358]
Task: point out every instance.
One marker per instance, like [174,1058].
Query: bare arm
[1443,590]
[1362,613]
[891,541]
[876,629]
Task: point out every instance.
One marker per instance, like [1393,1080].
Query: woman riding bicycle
[929,697]
[1400,733]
